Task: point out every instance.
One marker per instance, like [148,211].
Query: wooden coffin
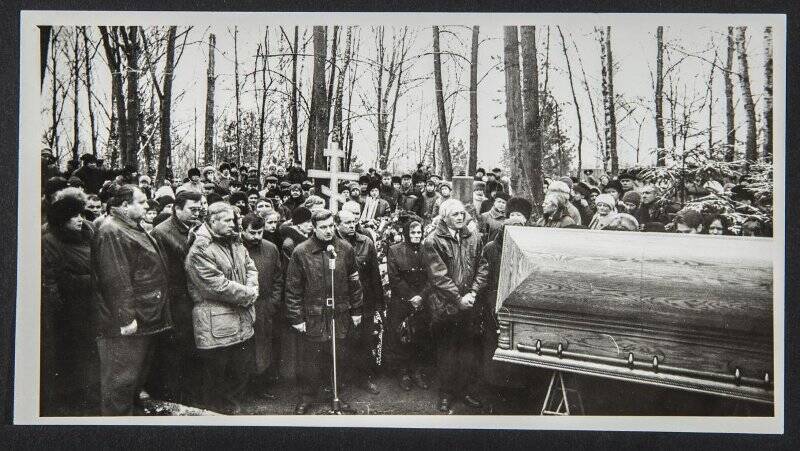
[692,312]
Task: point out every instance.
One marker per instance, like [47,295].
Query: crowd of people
[212,288]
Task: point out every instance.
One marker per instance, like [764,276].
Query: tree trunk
[208,155]
[318,116]
[531,154]
[612,115]
[132,58]
[751,149]
[239,152]
[338,132]
[263,115]
[45,32]
[711,108]
[514,124]
[294,137]
[87,61]
[76,67]
[661,153]
[604,87]
[730,125]
[165,125]
[473,103]
[767,94]
[574,100]
[591,101]
[332,78]
[54,100]
[118,99]
[444,144]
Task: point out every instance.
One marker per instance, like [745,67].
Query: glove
[356,320]
[300,327]
[130,329]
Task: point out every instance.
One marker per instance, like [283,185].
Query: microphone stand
[331,305]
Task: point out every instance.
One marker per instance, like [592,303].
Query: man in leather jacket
[308,288]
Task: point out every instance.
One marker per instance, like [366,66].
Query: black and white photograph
[567,221]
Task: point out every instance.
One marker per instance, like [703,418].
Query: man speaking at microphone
[308,290]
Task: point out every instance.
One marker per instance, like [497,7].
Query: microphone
[332,259]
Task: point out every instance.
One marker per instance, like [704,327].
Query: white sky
[634,51]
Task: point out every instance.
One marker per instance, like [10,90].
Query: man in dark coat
[388,192]
[270,289]
[131,275]
[653,213]
[364,364]
[308,288]
[93,176]
[457,275]
[407,199]
[69,354]
[176,359]
[296,173]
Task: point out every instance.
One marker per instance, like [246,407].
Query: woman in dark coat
[70,369]
[408,316]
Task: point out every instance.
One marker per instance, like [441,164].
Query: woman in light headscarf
[606,212]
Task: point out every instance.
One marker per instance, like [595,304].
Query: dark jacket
[68,295]
[172,237]
[368,271]
[657,211]
[291,239]
[308,285]
[407,200]
[295,175]
[408,276]
[223,284]
[267,259]
[131,276]
[293,202]
[586,213]
[93,178]
[559,219]
[428,201]
[492,221]
[390,195]
[454,269]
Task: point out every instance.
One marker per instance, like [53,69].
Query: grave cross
[334,152]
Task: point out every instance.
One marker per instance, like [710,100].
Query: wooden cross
[334,152]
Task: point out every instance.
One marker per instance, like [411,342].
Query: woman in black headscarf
[408,317]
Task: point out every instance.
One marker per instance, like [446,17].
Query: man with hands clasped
[223,284]
[308,300]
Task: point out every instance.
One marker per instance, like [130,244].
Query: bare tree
[318,115]
[294,106]
[87,65]
[531,156]
[592,109]
[574,100]
[444,140]
[236,90]
[611,114]
[120,125]
[514,120]
[208,156]
[473,103]
[661,152]
[166,108]
[77,77]
[730,125]
[767,94]
[711,106]
[131,49]
[751,149]
[338,99]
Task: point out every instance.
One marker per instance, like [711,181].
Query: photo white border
[26,376]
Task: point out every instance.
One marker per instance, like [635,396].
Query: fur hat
[519,205]
[65,208]
[632,197]
[607,199]
[582,189]
[238,196]
[502,195]
[54,184]
[396,179]
[164,191]
[478,186]
[615,184]
[194,172]
[208,169]
[300,215]
[558,186]
[75,181]
[364,179]
[165,200]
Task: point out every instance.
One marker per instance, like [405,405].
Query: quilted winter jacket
[223,284]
